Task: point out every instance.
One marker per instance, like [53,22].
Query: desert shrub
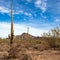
[54,37]
[38,41]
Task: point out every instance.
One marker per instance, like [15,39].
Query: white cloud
[27,14]
[57,20]
[22,12]
[41,4]
[18,29]
[4,10]
[38,2]
[18,12]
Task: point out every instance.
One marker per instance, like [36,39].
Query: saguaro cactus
[12,33]
[12,30]
[27,30]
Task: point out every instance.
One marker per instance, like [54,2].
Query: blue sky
[39,15]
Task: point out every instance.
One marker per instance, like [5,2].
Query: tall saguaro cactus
[12,33]
[12,30]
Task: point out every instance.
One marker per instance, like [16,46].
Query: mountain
[24,36]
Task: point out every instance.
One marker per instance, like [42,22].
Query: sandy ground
[44,55]
[37,55]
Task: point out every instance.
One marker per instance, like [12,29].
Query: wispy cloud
[27,14]
[4,9]
[57,20]
[23,12]
[41,4]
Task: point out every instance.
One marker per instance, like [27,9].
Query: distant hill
[26,36]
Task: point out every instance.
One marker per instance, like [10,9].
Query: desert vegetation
[54,37]
[28,47]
